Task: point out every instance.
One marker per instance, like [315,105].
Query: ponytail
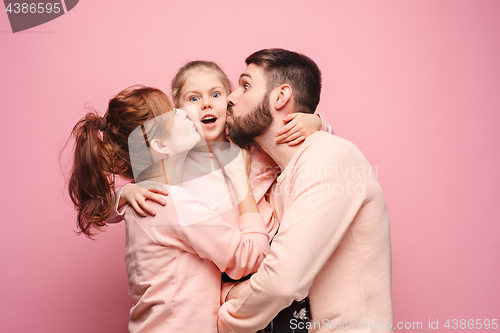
[90,187]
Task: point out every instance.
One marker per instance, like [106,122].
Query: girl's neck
[207,148]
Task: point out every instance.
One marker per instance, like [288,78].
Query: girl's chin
[217,140]
[212,137]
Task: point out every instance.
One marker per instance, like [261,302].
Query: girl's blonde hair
[183,73]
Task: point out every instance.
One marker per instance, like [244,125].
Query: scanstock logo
[28,14]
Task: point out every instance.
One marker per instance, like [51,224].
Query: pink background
[414,84]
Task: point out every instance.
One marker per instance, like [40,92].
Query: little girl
[173,260]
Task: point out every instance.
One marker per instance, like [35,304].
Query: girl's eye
[194,99]
[215,95]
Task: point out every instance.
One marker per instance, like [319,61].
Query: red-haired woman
[173,260]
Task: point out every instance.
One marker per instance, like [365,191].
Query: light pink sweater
[174,271]
[174,262]
[333,245]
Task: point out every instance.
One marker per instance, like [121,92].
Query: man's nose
[231,99]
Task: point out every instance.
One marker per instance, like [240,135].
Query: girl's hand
[298,127]
[235,290]
[137,194]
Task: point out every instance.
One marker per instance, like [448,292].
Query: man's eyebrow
[244,75]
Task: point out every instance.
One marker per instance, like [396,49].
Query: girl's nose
[206,105]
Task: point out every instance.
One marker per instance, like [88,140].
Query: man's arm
[320,207]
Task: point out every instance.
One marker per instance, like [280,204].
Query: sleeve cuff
[325,127]
[120,211]
[252,223]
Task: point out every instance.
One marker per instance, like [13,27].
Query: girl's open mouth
[209,120]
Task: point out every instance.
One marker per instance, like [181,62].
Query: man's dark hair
[299,71]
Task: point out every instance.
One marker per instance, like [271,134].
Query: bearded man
[333,244]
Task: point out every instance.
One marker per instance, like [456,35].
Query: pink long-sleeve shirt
[173,271]
[174,262]
[333,245]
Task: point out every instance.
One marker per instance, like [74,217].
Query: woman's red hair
[101,152]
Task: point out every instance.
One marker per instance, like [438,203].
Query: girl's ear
[284,93]
[159,147]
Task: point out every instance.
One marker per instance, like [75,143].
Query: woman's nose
[192,112]
[183,113]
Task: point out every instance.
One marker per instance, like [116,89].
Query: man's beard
[244,129]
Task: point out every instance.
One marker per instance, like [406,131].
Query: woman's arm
[189,224]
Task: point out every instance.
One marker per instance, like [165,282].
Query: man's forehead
[253,72]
